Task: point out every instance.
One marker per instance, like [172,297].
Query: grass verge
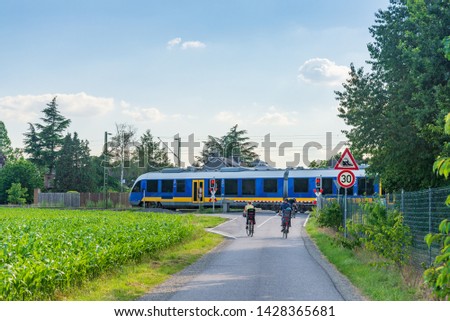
[133,280]
[376,280]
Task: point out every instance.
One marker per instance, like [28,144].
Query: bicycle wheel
[251,228]
[248,229]
[286,231]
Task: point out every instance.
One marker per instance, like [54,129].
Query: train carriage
[267,187]
[173,188]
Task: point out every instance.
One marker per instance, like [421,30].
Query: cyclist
[248,207]
[285,212]
[294,206]
[293,203]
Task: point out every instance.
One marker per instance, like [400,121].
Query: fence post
[402,204]
[429,220]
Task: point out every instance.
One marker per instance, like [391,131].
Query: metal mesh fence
[423,211]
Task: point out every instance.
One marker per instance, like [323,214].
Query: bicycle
[250,222]
[250,228]
[285,223]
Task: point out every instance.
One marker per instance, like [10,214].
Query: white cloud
[26,108]
[272,117]
[192,44]
[176,42]
[142,113]
[152,114]
[276,119]
[323,71]
[228,117]
[82,104]
[124,104]
[22,108]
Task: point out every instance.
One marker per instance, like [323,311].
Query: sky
[192,68]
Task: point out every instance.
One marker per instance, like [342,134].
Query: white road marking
[267,220]
[306,221]
[223,224]
[221,233]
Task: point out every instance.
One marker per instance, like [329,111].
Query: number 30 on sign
[346,178]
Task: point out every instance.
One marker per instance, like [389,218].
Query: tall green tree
[111,182]
[442,164]
[396,110]
[44,140]
[20,171]
[6,151]
[233,145]
[33,146]
[149,154]
[74,168]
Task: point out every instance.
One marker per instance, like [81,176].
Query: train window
[167,186]
[152,186]
[349,191]
[365,186]
[181,186]
[327,185]
[301,185]
[270,185]
[137,187]
[248,187]
[231,187]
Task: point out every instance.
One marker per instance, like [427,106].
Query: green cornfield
[45,251]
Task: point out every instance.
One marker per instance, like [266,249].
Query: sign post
[318,191]
[346,178]
[213,190]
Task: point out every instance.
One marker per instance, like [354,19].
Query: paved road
[258,268]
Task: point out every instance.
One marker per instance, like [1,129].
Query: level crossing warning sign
[347,161]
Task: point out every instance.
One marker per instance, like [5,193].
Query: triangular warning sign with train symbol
[347,161]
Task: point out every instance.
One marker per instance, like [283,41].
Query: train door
[198,191]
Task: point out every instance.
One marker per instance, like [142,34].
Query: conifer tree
[6,151]
[44,140]
[233,145]
[74,169]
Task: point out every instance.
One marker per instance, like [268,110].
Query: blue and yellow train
[189,188]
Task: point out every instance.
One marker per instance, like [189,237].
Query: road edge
[343,285]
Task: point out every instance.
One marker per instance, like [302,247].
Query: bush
[437,276]
[353,239]
[384,233]
[330,215]
[17,194]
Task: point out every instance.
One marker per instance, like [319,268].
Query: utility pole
[105,171]
[178,138]
[122,160]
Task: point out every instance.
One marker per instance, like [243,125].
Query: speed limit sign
[346,178]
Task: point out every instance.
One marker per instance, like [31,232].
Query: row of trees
[60,161]
[397,109]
